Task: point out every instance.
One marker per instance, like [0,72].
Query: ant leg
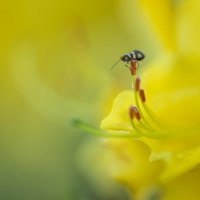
[127,67]
[138,66]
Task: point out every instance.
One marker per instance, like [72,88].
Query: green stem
[171,133]
[98,132]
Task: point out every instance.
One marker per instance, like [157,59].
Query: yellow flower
[162,158]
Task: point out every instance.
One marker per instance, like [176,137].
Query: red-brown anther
[137,83]
[131,112]
[134,113]
[133,67]
[142,95]
[137,114]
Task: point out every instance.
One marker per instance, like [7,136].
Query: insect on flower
[132,58]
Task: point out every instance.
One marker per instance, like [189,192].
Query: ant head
[125,58]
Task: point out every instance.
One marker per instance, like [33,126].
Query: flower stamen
[133,67]
[137,83]
[131,112]
[140,100]
[135,90]
[134,114]
[148,111]
[142,95]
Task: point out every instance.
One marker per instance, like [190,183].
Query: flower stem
[94,131]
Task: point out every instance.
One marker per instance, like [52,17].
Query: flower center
[142,118]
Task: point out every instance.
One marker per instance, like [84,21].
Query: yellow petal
[118,119]
[185,187]
[188,29]
[130,164]
[173,90]
[181,163]
[161,15]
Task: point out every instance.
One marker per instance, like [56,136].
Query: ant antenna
[115,64]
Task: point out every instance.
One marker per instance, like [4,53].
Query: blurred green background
[55,59]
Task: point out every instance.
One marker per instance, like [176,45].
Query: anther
[131,112]
[137,83]
[142,95]
[137,114]
[133,67]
